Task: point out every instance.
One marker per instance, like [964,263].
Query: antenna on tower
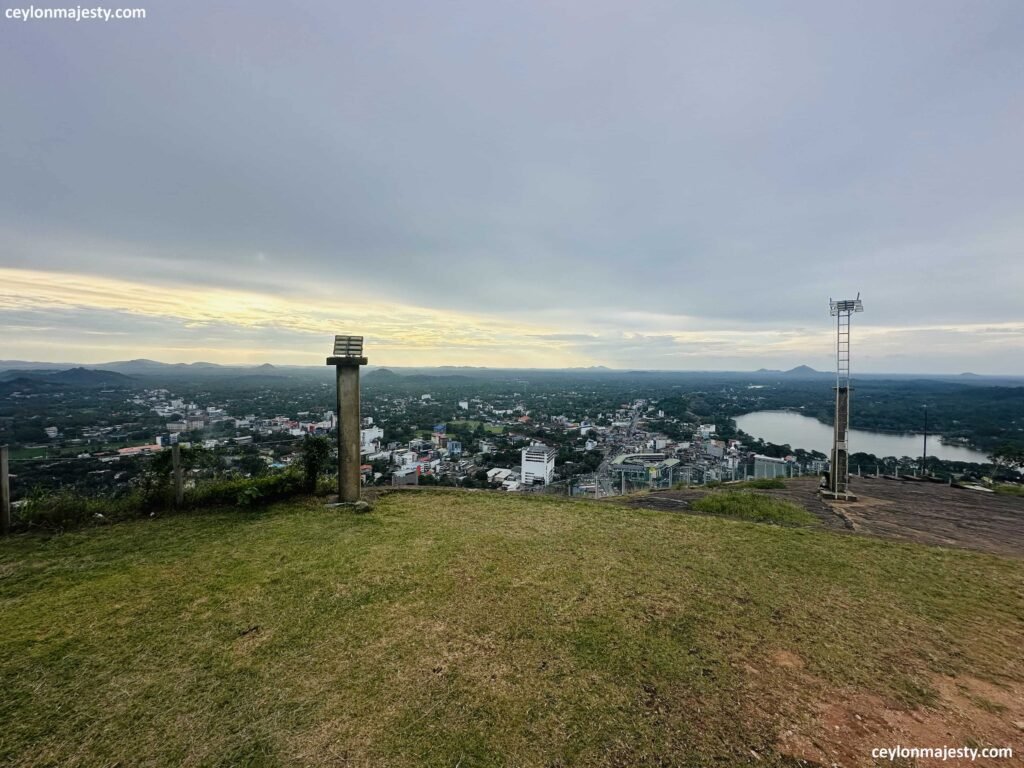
[839,466]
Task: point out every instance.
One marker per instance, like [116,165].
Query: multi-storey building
[538,464]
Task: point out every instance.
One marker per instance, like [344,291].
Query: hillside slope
[482,629]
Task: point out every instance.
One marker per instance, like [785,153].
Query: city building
[498,475]
[714,448]
[538,464]
[648,470]
[370,439]
[405,477]
[769,467]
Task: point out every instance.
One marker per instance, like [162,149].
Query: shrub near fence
[60,510]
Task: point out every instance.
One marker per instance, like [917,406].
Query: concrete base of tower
[828,495]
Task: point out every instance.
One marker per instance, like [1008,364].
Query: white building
[404,458]
[770,467]
[538,464]
[370,439]
[714,448]
[498,475]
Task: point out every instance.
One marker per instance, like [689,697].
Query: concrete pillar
[349,484]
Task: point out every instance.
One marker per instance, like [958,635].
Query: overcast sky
[633,184]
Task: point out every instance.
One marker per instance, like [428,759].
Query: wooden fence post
[179,486]
[5,492]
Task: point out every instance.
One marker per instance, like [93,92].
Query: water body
[799,431]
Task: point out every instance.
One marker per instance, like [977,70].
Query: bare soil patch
[846,725]
[905,510]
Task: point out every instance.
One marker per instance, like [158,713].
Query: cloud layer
[662,185]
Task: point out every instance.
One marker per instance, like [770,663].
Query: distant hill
[17,383]
[803,370]
[386,375]
[201,369]
[140,366]
[73,377]
[13,374]
[88,377]
[27,365]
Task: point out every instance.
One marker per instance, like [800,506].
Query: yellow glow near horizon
[403,334]
[238,326]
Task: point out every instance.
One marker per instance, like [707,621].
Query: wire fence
[113,473]
[27,475]
[150,482]
[108,456]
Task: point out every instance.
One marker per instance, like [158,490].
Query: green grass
[492,429]
[28,453]
[754,507]
[1010,490]
[470,629]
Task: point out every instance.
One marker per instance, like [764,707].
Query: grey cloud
[736,163]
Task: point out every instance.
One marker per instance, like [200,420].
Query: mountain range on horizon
[143,367]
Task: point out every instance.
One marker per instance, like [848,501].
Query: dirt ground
[840,727]
[906,510]
[846,724]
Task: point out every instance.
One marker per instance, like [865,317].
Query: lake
[799,431]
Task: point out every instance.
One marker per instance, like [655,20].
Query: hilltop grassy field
[478,629]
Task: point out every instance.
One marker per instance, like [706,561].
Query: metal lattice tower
[839,474]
